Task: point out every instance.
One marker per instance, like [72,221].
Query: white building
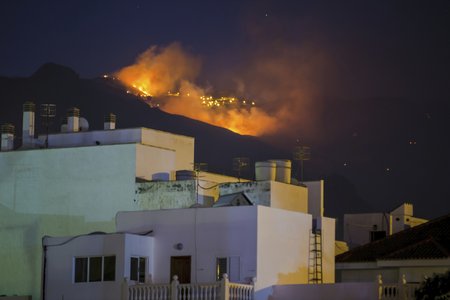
[197,244]
[407,256]
[74,182]
[360,229]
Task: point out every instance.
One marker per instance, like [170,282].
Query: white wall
[152,160]
[283,247]
[347,291]
[271,193]
[205,233]
[315,197]
[59,271]
[288,196]
[64,191]
[357,227]
[68,181]
[328,248]
[183,146]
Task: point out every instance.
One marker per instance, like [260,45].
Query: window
[230,266]
[137,269]
[377,235]
[95,268]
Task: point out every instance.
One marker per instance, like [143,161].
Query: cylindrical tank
[265,170]
[283,167]
[185,175]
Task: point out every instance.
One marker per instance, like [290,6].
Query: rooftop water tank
[265,170]
[283,167]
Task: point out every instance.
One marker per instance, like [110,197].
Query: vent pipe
[7,131]
[109,122]
[73,120]
[28,124]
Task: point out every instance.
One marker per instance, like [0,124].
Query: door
[181,266]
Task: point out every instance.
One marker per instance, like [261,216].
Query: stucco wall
[283,247]
[183,146]
[205,233]
[165,194]
[271,193]
[60,263]
[347,291]
[328,249]
[315,197]
[152,160]
[357,227]
[62,192]
[288,196]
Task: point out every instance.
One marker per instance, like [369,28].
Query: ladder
[315,257]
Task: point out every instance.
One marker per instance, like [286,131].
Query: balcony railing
[402,290]
[220,290]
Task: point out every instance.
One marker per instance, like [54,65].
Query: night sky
[362,82]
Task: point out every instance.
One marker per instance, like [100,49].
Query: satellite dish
[84,124]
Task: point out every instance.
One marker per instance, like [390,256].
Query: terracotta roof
[430,240]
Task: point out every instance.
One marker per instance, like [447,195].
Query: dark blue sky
[359,81]
[372,48]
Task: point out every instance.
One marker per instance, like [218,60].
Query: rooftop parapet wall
[165,194]
[271,194]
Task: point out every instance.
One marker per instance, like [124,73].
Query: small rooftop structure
[236,199]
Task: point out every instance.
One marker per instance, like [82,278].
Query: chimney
[28,124]
[73,120]
[109,122]
[7,131]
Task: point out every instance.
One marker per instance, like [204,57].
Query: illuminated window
[137,269]
[95,268]
[230,266]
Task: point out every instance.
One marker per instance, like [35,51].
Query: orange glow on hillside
[159,71]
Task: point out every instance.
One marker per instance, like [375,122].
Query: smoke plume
[159,71]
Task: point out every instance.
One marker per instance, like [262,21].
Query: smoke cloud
[162,70]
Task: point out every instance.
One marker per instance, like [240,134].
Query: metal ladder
[315,257]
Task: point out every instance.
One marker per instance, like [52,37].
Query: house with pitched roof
[406,256]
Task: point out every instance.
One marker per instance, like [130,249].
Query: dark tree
[436,287]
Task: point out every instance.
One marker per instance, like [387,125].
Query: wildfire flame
[159,71]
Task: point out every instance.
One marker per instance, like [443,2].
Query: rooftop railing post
[124,287]
[224,288]
[380,287]
[174,288]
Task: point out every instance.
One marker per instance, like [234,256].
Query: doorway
[181,266]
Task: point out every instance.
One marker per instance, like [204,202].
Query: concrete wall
[66,191]
[348,291]
[328,248]
[151,160]
[205,233]
[391,271]
[283,247]
[357,227]
[165,194]
[59,275]
[182,145]
[271,193]
[288,197]
[315,197]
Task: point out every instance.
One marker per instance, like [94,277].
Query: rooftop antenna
[240,164]
[47,113]
[199,167]
[301,154]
